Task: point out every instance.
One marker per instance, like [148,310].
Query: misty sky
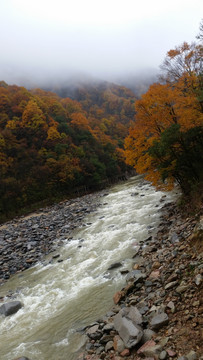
[42,39]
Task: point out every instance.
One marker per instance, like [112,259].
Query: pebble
[163,355]
[198,279]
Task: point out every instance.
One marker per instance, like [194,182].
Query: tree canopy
[49,145]
[166,140]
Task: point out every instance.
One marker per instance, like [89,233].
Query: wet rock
[136,276]
[118,296]
[158,321]
[114,266]
[92,329]
[10,308]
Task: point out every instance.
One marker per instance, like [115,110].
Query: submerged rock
[10,308]
[114,266]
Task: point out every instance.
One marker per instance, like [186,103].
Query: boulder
[125,323]
[10,308]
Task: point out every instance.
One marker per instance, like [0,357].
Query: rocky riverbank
[27,240]
[158,314]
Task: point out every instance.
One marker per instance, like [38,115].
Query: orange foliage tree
[166,139]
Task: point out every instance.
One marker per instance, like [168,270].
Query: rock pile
[26,240]
[158,314]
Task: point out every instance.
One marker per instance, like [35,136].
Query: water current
[61,297]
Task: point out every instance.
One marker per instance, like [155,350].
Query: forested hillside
[51,145]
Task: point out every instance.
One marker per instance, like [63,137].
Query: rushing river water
[61,297]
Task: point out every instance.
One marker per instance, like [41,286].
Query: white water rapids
[61,297]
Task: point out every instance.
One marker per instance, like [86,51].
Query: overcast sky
[42,39]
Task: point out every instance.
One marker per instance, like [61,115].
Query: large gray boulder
[10,308]
[127,323]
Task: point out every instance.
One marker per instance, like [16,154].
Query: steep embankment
[158,314]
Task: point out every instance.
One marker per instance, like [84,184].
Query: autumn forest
[50,146]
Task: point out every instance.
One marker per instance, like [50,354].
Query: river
[63,296]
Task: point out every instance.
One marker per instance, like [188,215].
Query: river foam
[62,296]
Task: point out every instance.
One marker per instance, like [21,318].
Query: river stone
[147,335]
[10,308]
[133,314]
[136,276]
[192,355]
[158,321]
[182,288]
[118,344]
[22,358]
[130,333]
[114,266]
[92,329]
[108,327]
[198,279]
[109,346]
[150,349]
[170,285]
[163,355]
